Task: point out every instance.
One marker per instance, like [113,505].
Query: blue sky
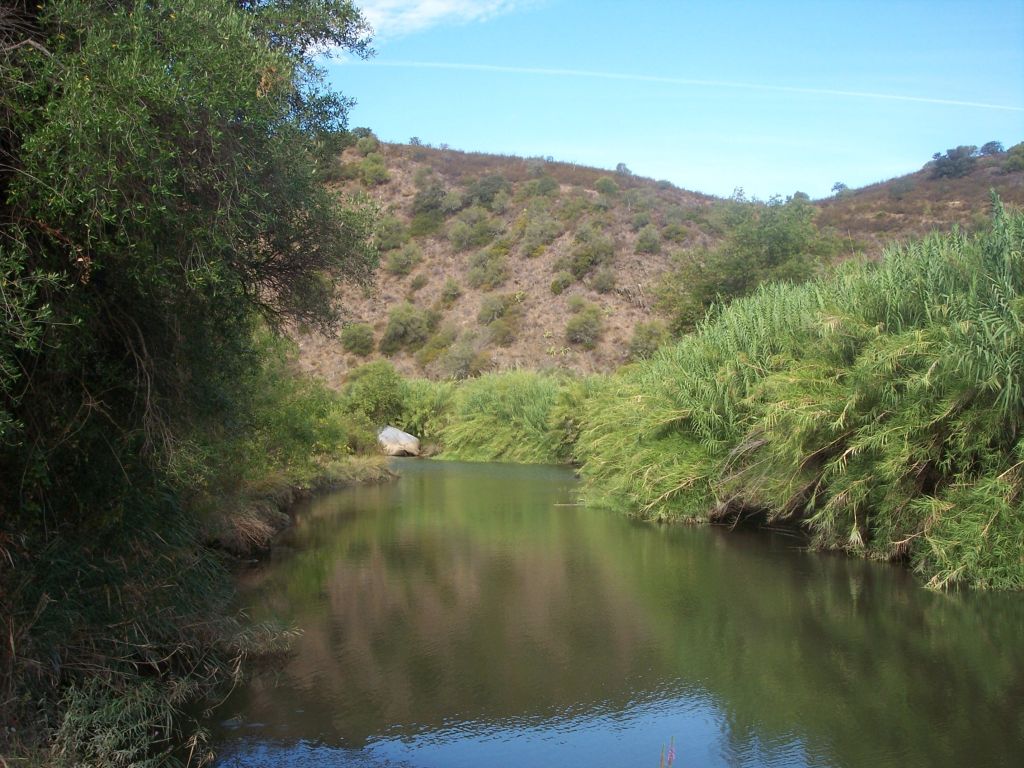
[773,97]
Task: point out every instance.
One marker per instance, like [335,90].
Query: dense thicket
[882,408]
[159,201]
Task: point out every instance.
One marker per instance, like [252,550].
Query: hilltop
[495,262]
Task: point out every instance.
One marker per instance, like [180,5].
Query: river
[475,614]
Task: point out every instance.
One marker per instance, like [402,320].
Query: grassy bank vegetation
[881,408]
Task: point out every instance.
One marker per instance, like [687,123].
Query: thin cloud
[693,82]
[393,18]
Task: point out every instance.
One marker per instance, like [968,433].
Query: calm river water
[473,615]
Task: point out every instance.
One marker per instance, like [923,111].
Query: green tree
[957,162]
[777,240]
[159,200]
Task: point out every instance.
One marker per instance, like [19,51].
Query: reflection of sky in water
[634,737]
[473,615]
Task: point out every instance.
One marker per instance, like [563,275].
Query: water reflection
[473,613]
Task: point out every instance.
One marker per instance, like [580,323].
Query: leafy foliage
[770,242]
[357,338]
[160,201]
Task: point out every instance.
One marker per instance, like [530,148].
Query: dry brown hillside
[495,262]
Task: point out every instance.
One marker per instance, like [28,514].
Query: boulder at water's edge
[395,442]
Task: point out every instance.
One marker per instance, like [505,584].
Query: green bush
[417,283]
[357,338]
[648,240]
[366,145]
[427,223]
[375,390]
[373,170]
[541,230]
[485,190]
[450,292]
[401,262]
[593,249]
[562,281]
[603,280]
[391,233]
[1014,159]
[647,337]
[473,228]
[880,408]
[487,270]
[437,345]
[408,328]
[606,186]
[501,332]
[585,328]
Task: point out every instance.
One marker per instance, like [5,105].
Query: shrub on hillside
[391,233]
[487,269]
[427,223]
[562,281]
[473,228]
[357,338]
[1014,159]
[450,292]
[593,248]
[485,190]
[402,261]
[647,337]
[585,328]
[541,230]
[955,163]
[648,240]
[366,145]
[606,186]
[603,280]
[408,328]
[373,170]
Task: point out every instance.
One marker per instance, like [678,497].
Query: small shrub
[417,283]
[484,190]
[408,328]
[584,328]
[606,186]
[545,186]
[367,145]
[427,223]
[466,358]
[401,262]
[373,170]
[487,270]
[603,280]
[674,233]
[492,307]
[450,292]
[473,229]
[647,337]
[357,338]
[374,390]
[562,281]
[648,240]
[391,233]
[540,231]
[501,332]
[437,345]
[593,250]
[640,221]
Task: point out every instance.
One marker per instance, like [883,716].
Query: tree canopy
[159,201]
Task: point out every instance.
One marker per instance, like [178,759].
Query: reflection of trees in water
[529,611]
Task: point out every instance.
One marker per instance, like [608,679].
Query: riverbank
[881,409]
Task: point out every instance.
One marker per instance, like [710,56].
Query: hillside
[496,262]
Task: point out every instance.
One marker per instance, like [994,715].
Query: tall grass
[882,408]
[504,417]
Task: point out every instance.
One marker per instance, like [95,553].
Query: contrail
[688,81]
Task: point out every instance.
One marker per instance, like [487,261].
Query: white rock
[395,442]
